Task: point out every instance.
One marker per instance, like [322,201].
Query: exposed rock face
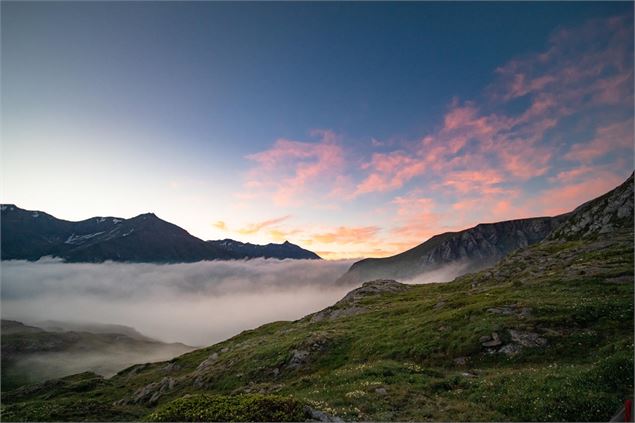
[604,215]
[469,250]
[150,393]
[370,288]
[207,362]
[348,306]
[519,340]
[484,245]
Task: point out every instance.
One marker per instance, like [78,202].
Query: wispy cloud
[290,169]
[549,123]
[220,225]
[256,227]
[347,235]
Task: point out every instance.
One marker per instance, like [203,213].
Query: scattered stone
[298,358]
[171,367]
[439,305]
[484,338]
[134,371]
[381,391]
[276,371]
[495,342]
[224,350]
[320,416]
[149,394]
[207,362]
[510,349]
[527,339]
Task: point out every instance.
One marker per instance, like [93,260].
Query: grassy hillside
[547,334]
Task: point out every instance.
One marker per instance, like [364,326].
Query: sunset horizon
[533,130]
[327,211]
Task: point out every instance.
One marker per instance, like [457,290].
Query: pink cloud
[480,183]
[480,163]
[389,171]
[347,235]
[417,219]
[292,168]
[614,137]
[564,198]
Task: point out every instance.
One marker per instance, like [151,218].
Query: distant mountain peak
[271,250]
[26,235]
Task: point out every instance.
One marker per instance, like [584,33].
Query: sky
[352,129]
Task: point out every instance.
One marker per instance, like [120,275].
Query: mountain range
[31,235]
[485,244]
[546,334]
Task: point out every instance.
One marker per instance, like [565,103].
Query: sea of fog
[195,303]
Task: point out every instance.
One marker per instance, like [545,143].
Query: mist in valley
[194,303]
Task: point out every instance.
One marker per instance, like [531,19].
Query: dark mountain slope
[544,335]
[278,251]
[468,251]
[611,212]
[30,235]
[485,244]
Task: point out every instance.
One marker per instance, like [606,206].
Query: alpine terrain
[546,334]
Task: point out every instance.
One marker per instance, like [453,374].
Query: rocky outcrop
[349,305]
[604,215]
[518,340]
[467,251]
[150,393]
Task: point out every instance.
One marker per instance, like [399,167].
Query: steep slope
[278,251]
[30,235]
[606,214]
[544,335]
[466,251]
[144,238]
[485,244]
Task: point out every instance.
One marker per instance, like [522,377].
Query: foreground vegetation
[547,334]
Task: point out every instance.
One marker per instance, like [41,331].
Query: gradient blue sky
[353,129]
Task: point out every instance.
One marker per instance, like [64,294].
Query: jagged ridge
[30,235]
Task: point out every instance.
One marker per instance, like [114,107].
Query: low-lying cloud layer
[195,303]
